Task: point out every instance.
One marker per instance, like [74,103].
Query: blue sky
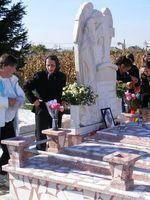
[50,22]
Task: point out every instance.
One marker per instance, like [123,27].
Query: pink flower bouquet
[53,109]
[132,101]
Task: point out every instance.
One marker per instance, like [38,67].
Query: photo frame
[108,117]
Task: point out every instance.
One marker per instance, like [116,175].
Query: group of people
[128,72]
[44,86]
[48,85]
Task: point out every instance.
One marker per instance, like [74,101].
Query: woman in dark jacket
[47,85]
[134,71]
[124,65]
[145,85]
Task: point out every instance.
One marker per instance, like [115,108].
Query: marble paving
[132,130]
[46,172]
[128,140]
[131,134]
[64,175]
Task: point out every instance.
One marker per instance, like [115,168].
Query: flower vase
[127,108]
[55,124]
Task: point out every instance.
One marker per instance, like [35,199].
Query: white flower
[76,94]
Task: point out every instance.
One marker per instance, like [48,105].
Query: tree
[13,36]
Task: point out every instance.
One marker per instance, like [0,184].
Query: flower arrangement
[132,101]
[76,94]
[131,85]
[53,109]
[121,88]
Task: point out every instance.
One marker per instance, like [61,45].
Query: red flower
[55,106]
[137,89]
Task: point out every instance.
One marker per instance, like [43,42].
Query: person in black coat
[124,65]
[145,85]
[45,85]
[134,71]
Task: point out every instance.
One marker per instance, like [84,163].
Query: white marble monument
[93,32]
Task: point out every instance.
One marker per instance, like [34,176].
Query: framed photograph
[108,117]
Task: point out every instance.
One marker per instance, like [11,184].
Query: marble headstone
[93,32]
